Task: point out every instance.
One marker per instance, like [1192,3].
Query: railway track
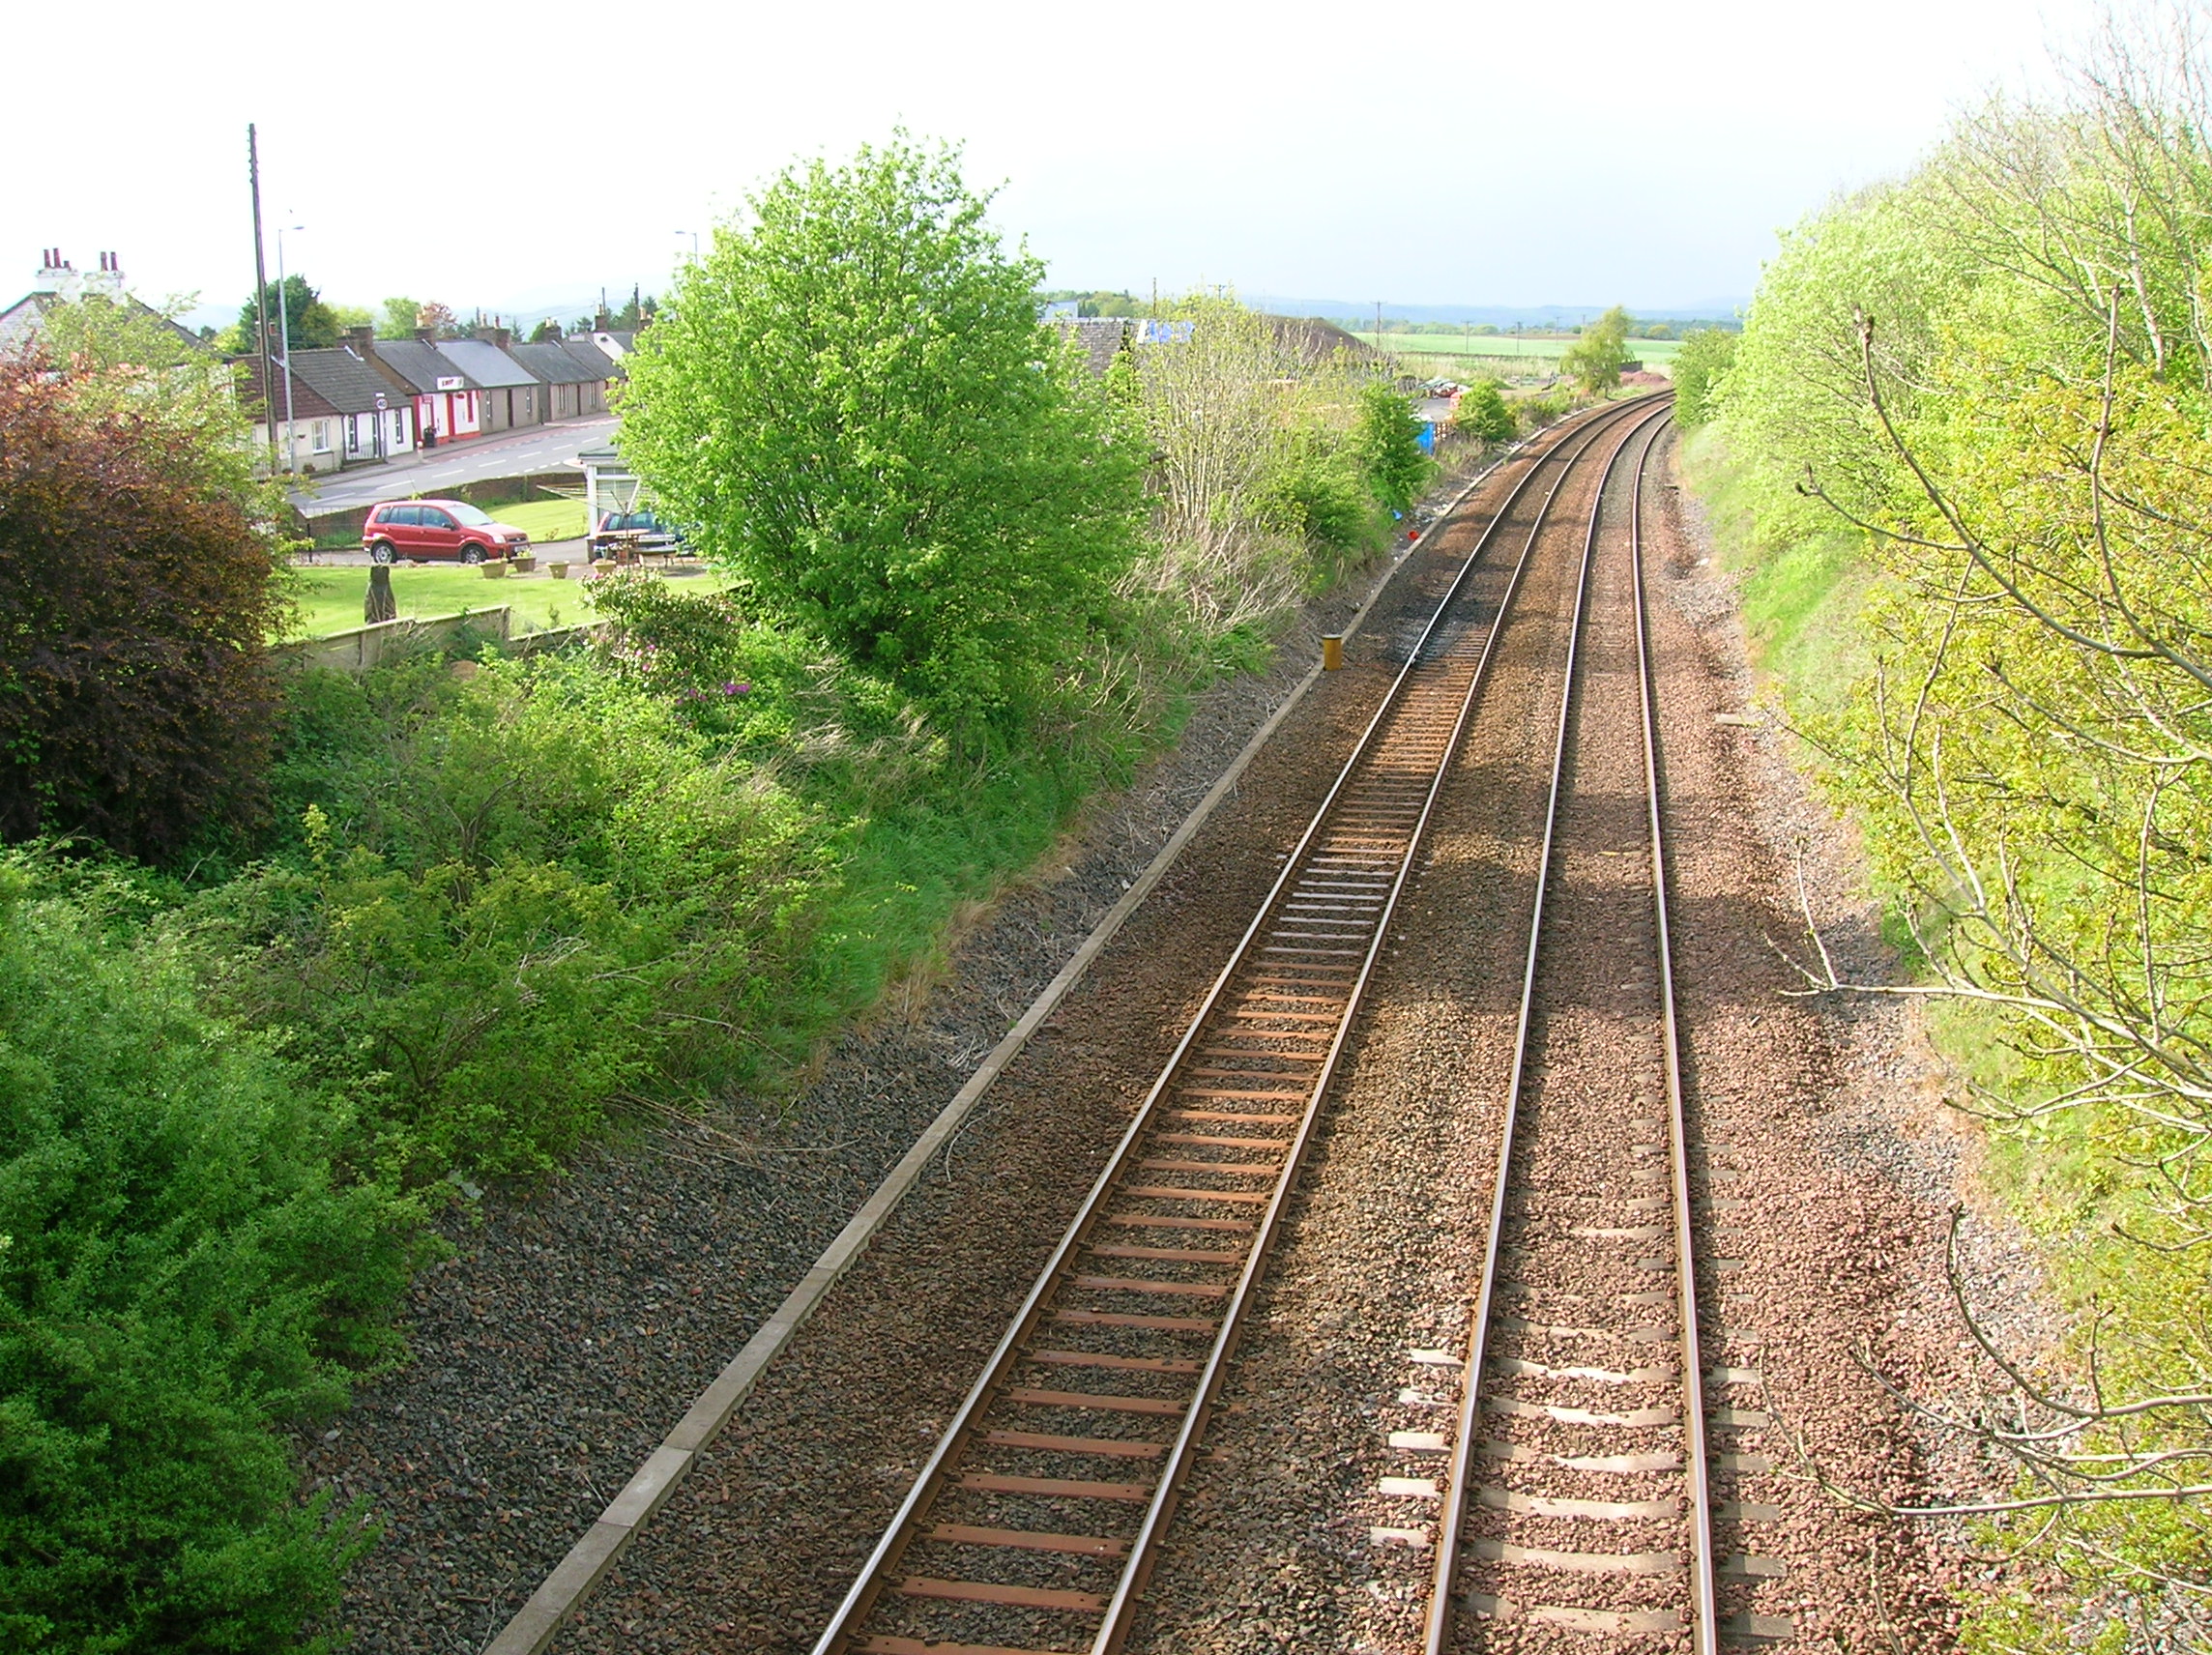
[1579,1495]
[1033,1523]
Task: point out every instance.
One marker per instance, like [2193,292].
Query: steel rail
[1705,1610]
[1451,1517]
[860,1599]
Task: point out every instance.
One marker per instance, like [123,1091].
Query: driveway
[476,459]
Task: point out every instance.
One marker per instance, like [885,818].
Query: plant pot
[559,571]
[495,571]
[524,564]
[603,567]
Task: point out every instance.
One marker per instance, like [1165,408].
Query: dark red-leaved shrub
[137,596]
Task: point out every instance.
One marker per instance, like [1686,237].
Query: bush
[511,899]
[1315,492]
[1535,412]
[178,1272]
[138,591]
[1387,443]
[1483,413]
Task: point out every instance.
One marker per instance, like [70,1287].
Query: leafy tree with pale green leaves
[1704,357]
[850,396]
[1594,361]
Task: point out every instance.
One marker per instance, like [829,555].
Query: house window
[319,436]
[353,436]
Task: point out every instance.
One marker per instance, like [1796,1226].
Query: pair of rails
[1042,1509]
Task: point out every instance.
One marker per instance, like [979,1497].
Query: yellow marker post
[1331,653]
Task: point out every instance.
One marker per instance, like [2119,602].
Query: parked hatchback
[438,528]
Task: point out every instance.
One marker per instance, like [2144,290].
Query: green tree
[547,331]
[399,319]
[310,322]
[856,405]
[1483,413]
[853,398]
[1387,442]
[349,316]
[1698,367]
[1595,360]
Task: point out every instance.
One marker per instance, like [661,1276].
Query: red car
[437,529]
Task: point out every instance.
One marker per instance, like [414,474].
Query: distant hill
[1499,315]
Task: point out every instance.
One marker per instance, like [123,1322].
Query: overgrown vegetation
[1698,367]
[1270,472]
[1964,433]
[388,938]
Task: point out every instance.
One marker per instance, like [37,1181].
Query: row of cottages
[369,400]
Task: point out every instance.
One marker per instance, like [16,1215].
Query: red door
[441,535]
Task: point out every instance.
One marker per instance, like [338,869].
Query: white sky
[487,153]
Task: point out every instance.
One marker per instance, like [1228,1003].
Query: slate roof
[1099,336]
[421,365]
[343,380]
[594,360]
[1317,341]
[556,365]
[306,402]
[486,362]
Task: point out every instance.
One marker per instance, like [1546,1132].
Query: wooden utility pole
[261,297]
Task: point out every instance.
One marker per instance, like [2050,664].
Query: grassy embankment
[1800,601]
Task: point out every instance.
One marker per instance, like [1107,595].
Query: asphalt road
[517,453]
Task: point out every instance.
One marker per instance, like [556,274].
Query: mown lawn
[330,599]
[544,519]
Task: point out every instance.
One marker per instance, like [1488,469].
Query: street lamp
[284,332]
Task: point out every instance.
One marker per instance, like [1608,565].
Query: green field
[330,599]
[545,520]
[1650,352]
